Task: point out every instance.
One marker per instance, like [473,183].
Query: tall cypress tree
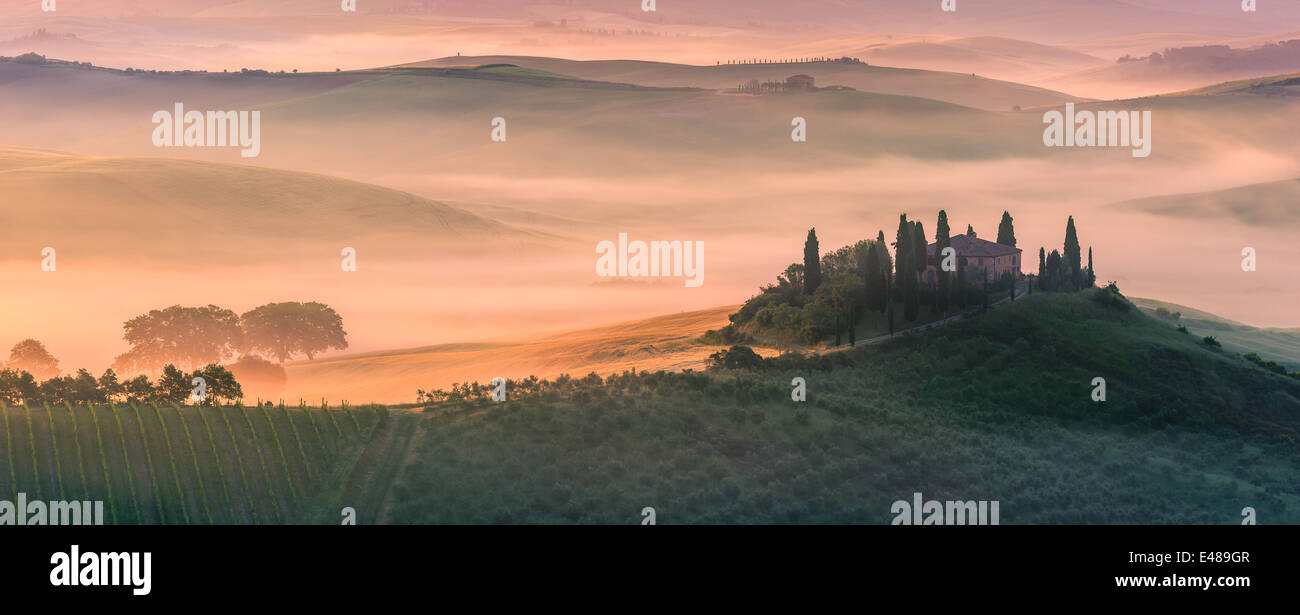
[812,263]
[911,292]
[1072,264]
[871,276]
[902,241]
[919,255]
[919,247]
[1092,275]
[941,240]
[1042,268]
[1007,230]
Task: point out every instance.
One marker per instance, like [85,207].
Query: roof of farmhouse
[974,246]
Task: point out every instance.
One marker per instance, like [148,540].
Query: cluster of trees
[1065,271]
[197,336]
[173,386]
[827,295]
[197,339]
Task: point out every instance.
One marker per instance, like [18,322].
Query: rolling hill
[956,88]
[219,212]
[997,407]
[1270,343]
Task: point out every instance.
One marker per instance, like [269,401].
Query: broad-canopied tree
[31,356]
[188,336]
[285,329]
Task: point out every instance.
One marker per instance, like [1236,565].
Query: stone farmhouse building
[978,257]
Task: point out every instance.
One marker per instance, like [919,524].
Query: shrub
[738,357]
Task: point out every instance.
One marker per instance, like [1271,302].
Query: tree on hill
[873,279]
[285,329]
[812,264]
[1042,261]
[1072,265]
[1054,273]
[1006,231]
[31,356]
[1092,275]
[902,250]
[970,231]
[189,336]
[942,240]
[918,247]
[911,292]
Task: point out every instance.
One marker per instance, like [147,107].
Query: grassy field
[997,407]
[161,464]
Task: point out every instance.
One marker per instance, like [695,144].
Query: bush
[738,357]
[1210,341]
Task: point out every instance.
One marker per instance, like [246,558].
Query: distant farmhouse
[799,82]
[978,257]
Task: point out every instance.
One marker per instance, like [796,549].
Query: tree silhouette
[1007,230]
[31,356]
[812,263]
[189,336]
[285,329]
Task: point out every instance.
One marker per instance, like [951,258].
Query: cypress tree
[812,263]
[1072,265]
[1006,231]
[1092,275]
[970,231]
[901,248]
[871,278]
[919,245]
[941,241]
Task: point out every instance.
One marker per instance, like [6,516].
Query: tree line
[179,344]
[173,386]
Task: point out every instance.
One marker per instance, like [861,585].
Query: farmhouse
[799,82]
[977,256]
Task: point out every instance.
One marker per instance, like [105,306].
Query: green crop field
[168,464]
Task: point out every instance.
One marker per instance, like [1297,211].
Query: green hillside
[997,407]
[1281,345]
[155,464]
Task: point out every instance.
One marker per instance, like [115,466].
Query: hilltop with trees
[868,288]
